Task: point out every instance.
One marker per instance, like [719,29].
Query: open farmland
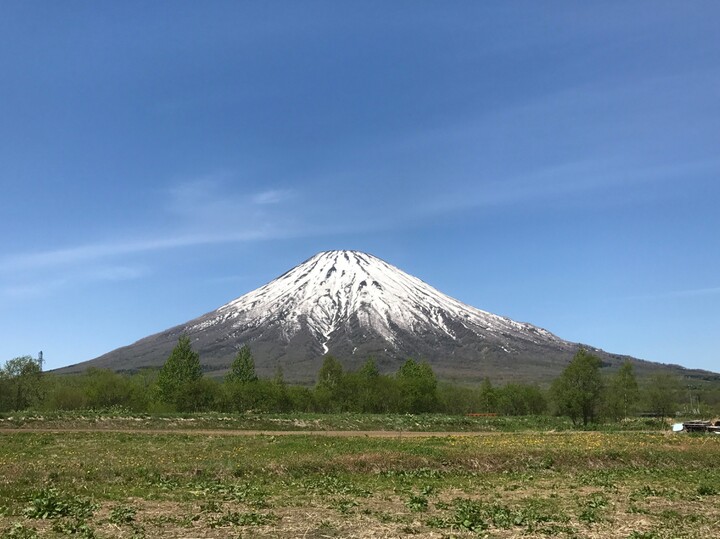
[191,484]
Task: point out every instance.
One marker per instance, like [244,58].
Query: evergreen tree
[243,367]
[578,390]
[180,370]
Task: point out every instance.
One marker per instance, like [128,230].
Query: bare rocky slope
[354,305]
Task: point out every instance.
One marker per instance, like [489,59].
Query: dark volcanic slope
[354,305]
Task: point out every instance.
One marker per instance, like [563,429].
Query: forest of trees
[580,392]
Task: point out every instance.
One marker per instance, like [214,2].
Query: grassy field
[495,484]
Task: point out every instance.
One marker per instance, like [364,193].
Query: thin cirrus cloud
[689,293]
[96,251]
[201,214]
[273,196]
[43,287]
[565,180]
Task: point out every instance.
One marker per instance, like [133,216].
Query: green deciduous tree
[577,392]
[661,394]
[330,385]
[21,383]
[622,393]
[179,373]
[365,388]
[242,368]
[520,399]
[418,387]
[488,396]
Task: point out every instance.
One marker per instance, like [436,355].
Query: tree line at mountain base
[581,392]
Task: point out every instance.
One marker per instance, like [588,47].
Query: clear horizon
[554,164]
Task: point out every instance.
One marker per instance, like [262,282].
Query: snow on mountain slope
[324,292]
[354,306]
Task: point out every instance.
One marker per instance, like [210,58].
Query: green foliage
[329,390]
[592,507]
[469,515]
[578,390]
[180,386]
[622,393]
[417,387]
[74,526]
[330,374]
[264,396]
[20,531]
[417,503]
[122,514]
[661,395]
[197,395]
[244,519]
[179,373]
[520,399]
[20,384]
[242,368]
[706,489]
[49,503]
[488,397]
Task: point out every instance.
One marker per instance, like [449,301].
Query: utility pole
[40,360]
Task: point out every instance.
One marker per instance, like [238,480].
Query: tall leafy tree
[180,370]
[661,394]
[418,387]
[369,370]
[243,367]
[330,385]
[578,390]
[521,399]
[365,387]
[330,374]
[21,379]
[488,396]
[622,393]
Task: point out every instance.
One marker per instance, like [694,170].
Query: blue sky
[554,162]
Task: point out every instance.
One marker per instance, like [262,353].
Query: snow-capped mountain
[354,305]
[337,294]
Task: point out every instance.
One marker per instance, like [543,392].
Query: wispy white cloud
[690,293]
[273,196]
[199,212]
[561,180]
[44,286]
[97,251]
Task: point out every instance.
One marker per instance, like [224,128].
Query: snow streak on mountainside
[354,306]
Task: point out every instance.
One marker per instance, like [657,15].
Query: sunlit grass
[568,484]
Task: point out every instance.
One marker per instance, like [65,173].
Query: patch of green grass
[236,518]
[19,531]
[505,483]
[592,508]
[706,489]
[417,503]
[49,503]
[122,514]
